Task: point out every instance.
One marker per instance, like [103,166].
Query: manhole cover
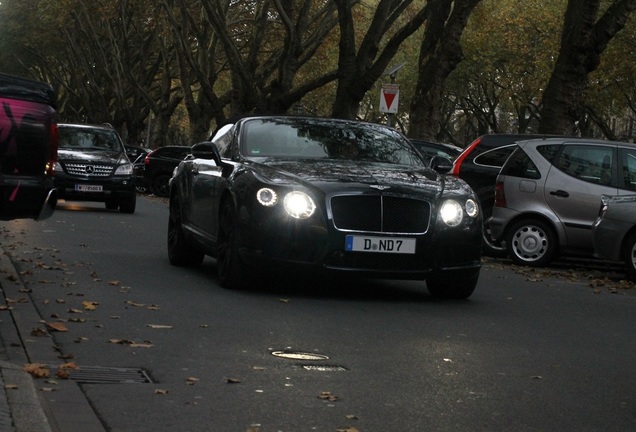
[297,355]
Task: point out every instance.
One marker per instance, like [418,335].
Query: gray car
[614,231]
[548,193]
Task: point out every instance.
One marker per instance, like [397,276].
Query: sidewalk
[24,407]
[20,407]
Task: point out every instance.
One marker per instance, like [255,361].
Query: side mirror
[441,164]
[207,150]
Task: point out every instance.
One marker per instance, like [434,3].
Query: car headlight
[267,197]
[472,209]
[125,169]
[452,212]
[299,205]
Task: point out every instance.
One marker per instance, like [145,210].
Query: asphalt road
[531,350]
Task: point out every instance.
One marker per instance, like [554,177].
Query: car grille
[380,214]
[90,170]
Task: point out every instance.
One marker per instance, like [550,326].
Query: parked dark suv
[93,166]
[159,165]
[478,165]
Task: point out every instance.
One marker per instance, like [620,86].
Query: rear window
[520,165]
[496,157]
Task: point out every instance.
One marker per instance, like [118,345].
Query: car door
[578,177]
[204,189]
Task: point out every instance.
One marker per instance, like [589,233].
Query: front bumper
[313,248]
[95,189]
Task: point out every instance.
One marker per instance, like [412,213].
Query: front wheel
[128,205]
[453,284]
[629,256]
[160,185]
[180,251]
[531,242]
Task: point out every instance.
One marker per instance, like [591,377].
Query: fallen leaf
[90,305]
[233,381]
[57,326]
[77,311]
[347,429]
[141,345]
[38,370]
[192,380]
[48,389]
[63,374]
[132,303]
[161,392]
[38,331]
[114,283]
[11,386]
[327,396]
[68,365]
[159,326]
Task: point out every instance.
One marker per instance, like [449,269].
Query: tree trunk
[440,54]
[583,41]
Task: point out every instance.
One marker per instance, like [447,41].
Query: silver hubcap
[530,243]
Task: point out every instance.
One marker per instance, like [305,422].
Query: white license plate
[88,188]
[398,245]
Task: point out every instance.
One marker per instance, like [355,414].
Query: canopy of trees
[171,71]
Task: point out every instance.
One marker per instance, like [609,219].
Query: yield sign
[389,98]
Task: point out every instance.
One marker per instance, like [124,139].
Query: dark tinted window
[628,169]
[549,151]
[89,139]
[496,157]
[592,164]
[174,153]
[520,165]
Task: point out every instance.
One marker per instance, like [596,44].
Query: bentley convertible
[270,195]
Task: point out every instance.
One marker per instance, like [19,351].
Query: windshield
[89,139]
[325,139]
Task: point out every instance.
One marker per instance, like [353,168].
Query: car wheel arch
[554,225]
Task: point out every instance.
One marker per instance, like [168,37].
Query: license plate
[88,188]
[398,245]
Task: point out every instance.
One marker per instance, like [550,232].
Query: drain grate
[109,375]
[324,368]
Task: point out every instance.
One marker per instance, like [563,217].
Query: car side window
[592,164]
[520,165]
[495,157]
[628,171]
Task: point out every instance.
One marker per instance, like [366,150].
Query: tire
[180,251]
[230,270]
[128,205]
[455,284]
[531,242]
[490,247]
[111,205]
[160,185]
[629,256]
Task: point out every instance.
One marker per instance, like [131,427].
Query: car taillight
[147,159]
[500,196]
[458,162]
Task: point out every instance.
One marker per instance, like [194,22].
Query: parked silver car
[614,231]
[548,193]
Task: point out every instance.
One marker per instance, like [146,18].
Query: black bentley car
[93,166]
[322,195]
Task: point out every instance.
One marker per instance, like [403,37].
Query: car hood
[342,175]
[92,156]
